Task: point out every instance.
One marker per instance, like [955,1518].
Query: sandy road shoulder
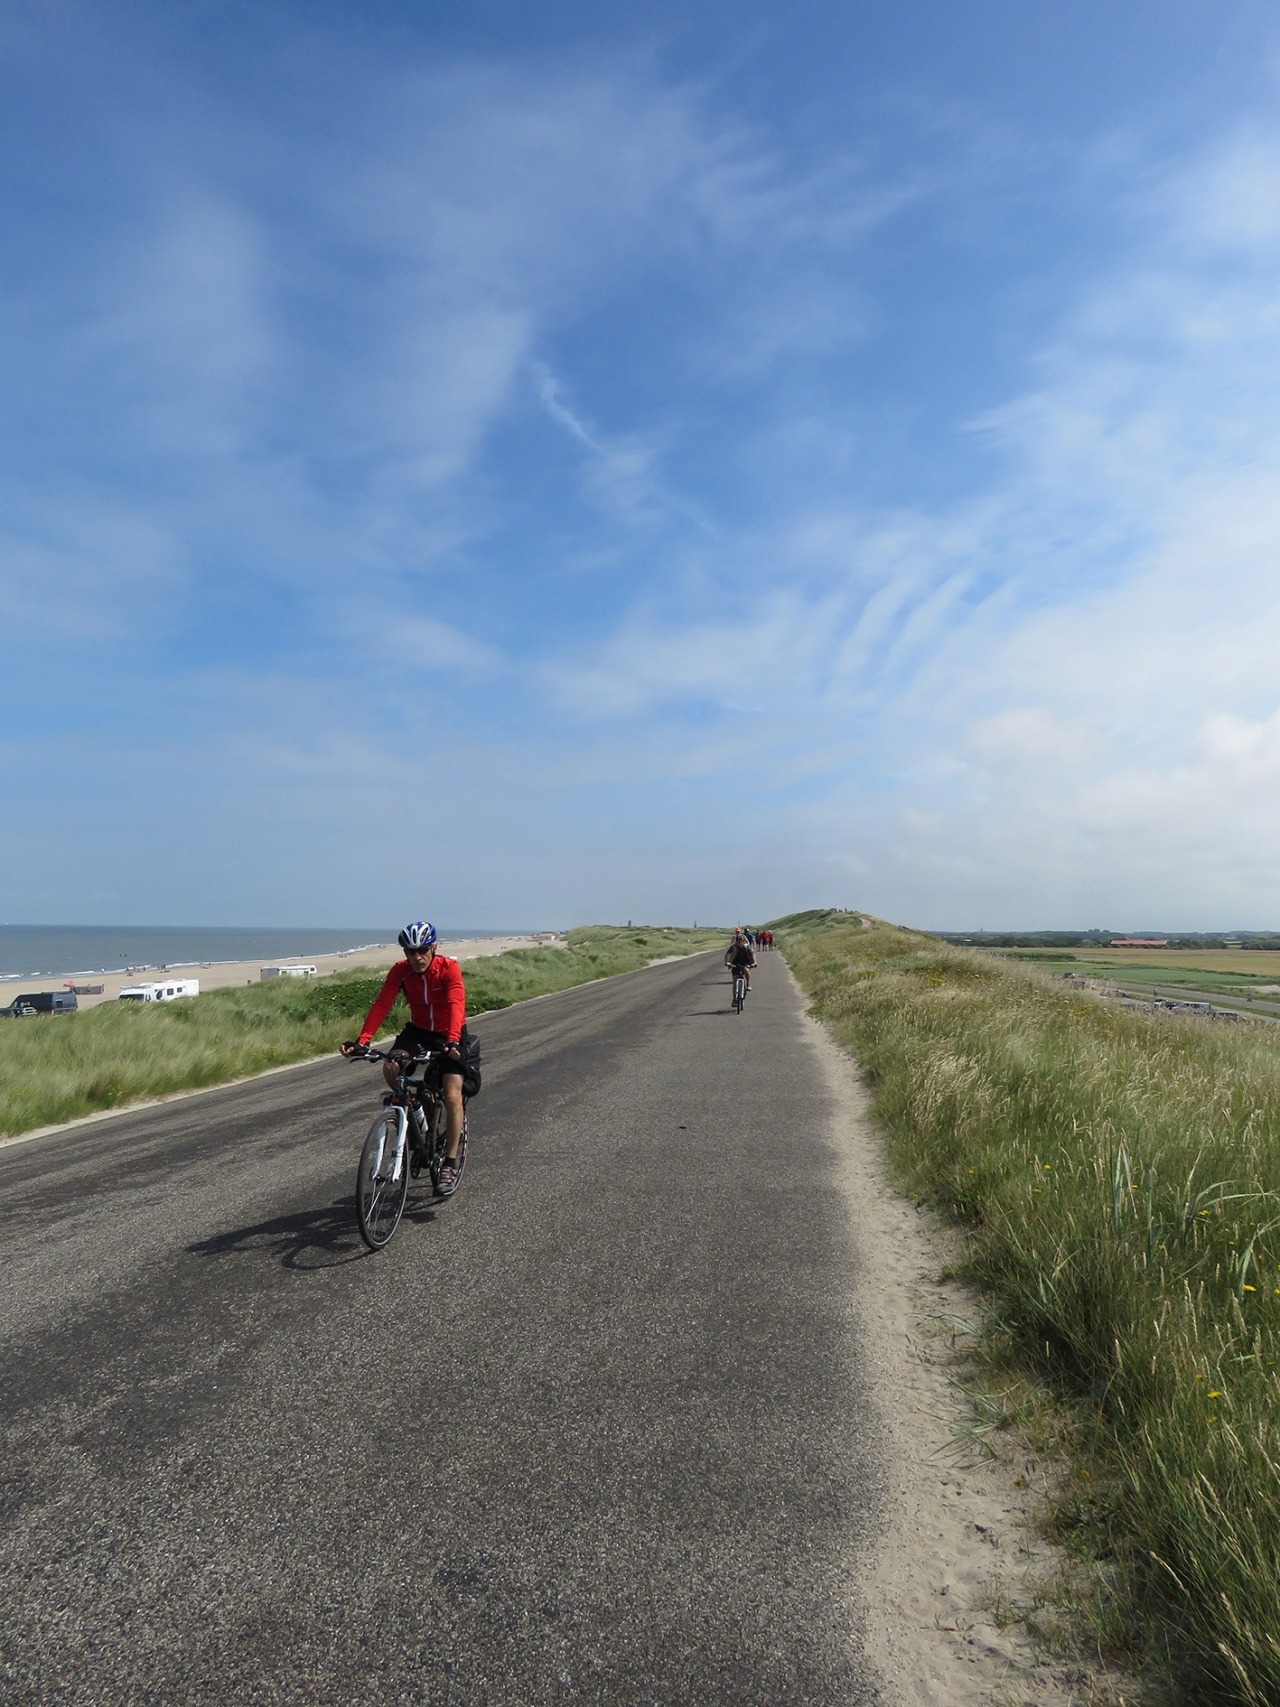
[959,1532]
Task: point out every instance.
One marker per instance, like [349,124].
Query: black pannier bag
[470,1064]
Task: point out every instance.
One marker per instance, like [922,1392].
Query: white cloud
[621,476]
[1030,736]
[1228,200]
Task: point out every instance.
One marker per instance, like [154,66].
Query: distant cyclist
[432,985]
[739,955]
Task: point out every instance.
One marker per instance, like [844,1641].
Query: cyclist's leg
[451,1090]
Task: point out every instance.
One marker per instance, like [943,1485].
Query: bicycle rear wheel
[460,1160]
[382,1182]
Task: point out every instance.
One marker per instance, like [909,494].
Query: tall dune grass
[1118,1176]
[55,1069]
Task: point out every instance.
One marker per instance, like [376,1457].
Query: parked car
[41,1002]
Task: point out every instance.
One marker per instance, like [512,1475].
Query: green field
[1228,972]
[1117,1177]
[53,1070]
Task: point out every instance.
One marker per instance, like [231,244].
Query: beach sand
[218,974]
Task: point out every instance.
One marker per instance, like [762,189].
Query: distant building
[1139,942]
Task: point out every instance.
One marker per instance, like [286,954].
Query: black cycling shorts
[414,1038]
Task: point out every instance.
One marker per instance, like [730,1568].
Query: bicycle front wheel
[383,1181]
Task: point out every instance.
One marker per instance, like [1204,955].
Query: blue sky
[581,462]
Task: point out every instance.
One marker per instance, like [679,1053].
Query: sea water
[49,951]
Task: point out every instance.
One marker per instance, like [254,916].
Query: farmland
[1223,971]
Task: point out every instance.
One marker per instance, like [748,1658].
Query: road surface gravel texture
[590,1431]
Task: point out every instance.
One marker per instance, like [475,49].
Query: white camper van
[167,991]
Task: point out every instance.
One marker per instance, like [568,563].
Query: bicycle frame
[414,1095]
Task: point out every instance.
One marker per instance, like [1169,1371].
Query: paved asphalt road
[591,1431]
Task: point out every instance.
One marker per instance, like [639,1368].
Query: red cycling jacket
[437,1000]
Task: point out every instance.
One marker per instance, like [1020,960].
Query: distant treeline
[1100,939]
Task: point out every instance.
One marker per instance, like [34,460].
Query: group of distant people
[754,939]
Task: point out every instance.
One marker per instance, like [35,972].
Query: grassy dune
[1118,1176]
[56,1069]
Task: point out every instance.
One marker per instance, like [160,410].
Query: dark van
[41,1002]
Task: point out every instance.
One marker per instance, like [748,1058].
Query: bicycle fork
[389,1162]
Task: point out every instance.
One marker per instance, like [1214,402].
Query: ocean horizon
[55,951]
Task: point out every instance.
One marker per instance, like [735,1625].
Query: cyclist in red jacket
[432,985]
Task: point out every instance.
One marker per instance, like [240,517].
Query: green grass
[1118,1179]
[55,1069]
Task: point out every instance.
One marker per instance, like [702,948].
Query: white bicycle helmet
[419,935]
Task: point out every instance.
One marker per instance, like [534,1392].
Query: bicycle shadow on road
[718,1012]
[308,1239]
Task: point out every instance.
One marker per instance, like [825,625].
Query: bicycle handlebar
[417,1056]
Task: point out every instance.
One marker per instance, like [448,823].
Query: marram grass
[1118,1177]
[55,1069]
